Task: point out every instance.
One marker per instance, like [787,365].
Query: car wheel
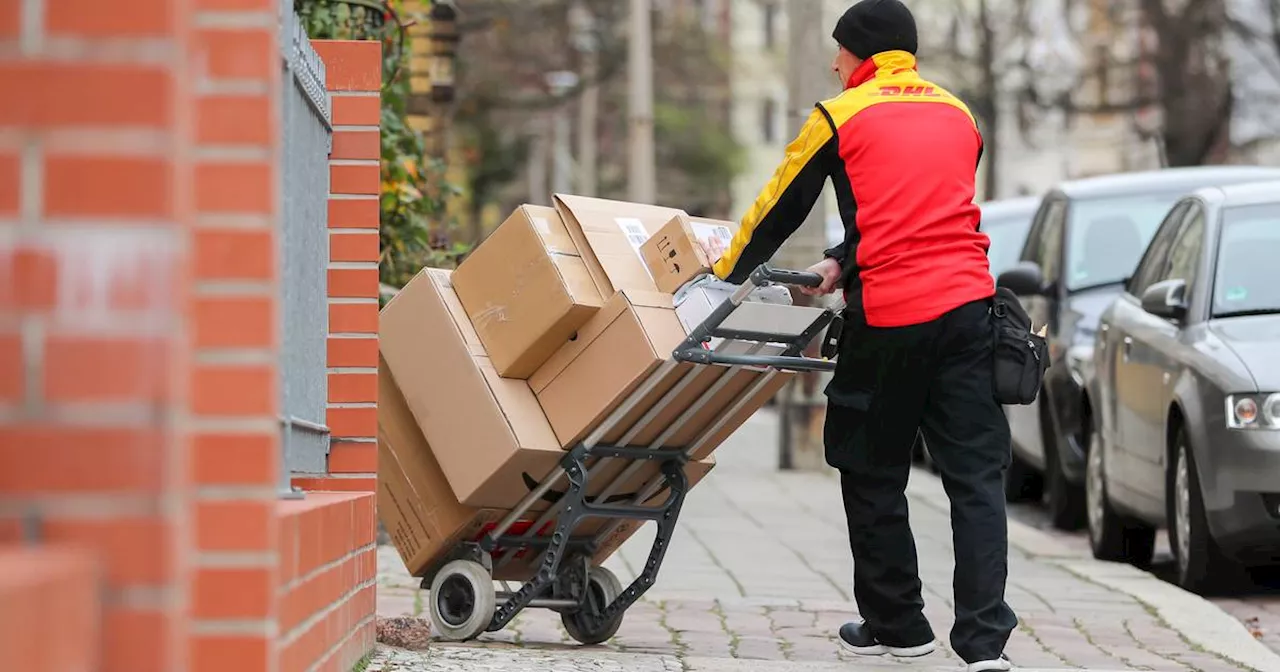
[1111,536]
[1201,565]
[1065,499]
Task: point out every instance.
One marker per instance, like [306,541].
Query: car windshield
[1247,281]
[1007,234]
[1109,235]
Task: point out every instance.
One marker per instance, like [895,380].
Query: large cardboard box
[609,235]
[486,430]
[526,290]
[617,350]
[424,518]
[488,433]
[674,255]
[613,353]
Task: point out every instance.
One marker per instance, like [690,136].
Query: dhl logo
[915,91]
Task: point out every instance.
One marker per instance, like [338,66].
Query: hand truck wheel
[462,600]
[603,588]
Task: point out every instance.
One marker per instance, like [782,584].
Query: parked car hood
[1253,339]
[1084,311]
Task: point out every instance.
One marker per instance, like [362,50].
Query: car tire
[1065,500]
[1200,564]
[1022,483]
[1112,536]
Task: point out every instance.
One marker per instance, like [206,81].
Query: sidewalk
[759,570]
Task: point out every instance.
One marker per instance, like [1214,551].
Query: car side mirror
[1166,299]
[1024,279]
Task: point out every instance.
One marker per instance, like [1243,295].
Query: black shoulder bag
[1021,356]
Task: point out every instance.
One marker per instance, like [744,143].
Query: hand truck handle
[692,350]
[765,274]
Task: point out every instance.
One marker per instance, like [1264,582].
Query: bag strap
[1006,306]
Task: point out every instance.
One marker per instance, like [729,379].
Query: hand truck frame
[590,599]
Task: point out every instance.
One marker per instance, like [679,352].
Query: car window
[1044,246]
[1007,234]
[1184,255]
[1156,257]
[1109,235]
[1247,276]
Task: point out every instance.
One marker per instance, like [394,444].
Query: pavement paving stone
[759,570]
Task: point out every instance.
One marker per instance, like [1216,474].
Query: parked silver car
[1185,393]
[1083,246]
[1006,222]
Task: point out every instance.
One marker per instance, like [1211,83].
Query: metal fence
[307,132]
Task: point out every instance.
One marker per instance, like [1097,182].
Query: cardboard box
[526,290]
[674,256]
[486,430]
[426,521]
[415,502]
[609,235]
[615,353]
[489,435]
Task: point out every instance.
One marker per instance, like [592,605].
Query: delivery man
[916,349]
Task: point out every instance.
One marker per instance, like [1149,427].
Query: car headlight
[1253,411]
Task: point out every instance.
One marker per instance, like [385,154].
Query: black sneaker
[1000,664]
[857,638]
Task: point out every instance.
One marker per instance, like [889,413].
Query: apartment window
[769,121]
[770,11]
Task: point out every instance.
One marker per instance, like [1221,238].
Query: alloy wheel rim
[1093,490]
[1182,491]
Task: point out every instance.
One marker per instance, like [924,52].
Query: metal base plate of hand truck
[590,599]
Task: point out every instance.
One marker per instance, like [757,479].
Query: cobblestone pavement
[759,570]
[1257,607]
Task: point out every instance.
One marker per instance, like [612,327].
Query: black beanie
[874,26]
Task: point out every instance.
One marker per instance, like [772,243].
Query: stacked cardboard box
[490,372]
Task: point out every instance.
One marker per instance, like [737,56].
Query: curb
[1197,620]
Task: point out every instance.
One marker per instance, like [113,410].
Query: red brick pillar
[234,84]
[138,393]
[329,561]
[354,72]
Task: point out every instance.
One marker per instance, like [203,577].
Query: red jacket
[902,154]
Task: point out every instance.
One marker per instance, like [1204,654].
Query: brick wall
[328,564]
[40,587]
[354,72]
[139,429]
[327,548]
[138,145]
[235,394]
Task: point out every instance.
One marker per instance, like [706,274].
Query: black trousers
[888,383]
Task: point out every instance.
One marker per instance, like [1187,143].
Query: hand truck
[591,599]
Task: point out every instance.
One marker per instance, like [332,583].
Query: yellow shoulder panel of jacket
[815,134]
[906,87]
